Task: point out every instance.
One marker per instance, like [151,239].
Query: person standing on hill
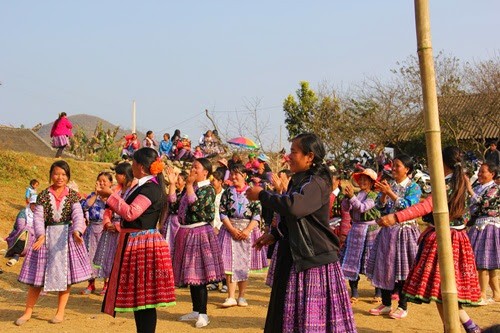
[60,133]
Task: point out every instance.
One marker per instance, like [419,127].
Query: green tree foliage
[297,112]
[100,147]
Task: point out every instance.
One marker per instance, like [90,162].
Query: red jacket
[61,126]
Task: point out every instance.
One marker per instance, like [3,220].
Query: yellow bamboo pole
[434,158]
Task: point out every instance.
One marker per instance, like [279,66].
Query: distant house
[468,117]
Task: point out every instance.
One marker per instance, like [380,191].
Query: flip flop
[354,300]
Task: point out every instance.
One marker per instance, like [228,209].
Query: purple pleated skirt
[60,141]
[392,255]
[258,259]
[91,237]
[272,267]
[35,265]
[358,246]
[197,256]
[486,246]
[317,301]
[105,253]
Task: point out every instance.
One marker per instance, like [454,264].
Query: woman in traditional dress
[240,218]
[484,233]
[93,208]
[22,236]
[141,279]
[106,248]
[58,257]
[395,248]
[363,231]
[309,292]
[197,254]
[60,133]
[423,283]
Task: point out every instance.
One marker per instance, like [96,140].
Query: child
[363,231]
[197,255]
[141,279]
[198,153]
[31,190]
[217,181]
[340,219]
[395,248]
[308,290]
[106,248]
[93,208]
[22,236]
[176,189]
[423,283]
[59,224]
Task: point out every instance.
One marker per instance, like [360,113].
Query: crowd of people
[208,227]
[176,147]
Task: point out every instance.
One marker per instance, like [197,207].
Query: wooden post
[434,158]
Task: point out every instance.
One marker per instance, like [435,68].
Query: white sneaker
[202,321]
[190,316]
[229,302]
[242,302]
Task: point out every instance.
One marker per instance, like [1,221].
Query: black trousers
[386,296]
[145,320]
[199,297]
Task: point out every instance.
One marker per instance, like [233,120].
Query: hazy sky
[177,58]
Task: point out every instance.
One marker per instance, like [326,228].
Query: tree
[298,112]
[100,147]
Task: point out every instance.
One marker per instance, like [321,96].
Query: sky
[178,58]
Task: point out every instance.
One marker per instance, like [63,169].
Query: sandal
[223,289]
[87,291]
[354,300]
[212,286]
[376,300]
[11,262]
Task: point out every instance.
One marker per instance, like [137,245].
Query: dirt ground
[83,312]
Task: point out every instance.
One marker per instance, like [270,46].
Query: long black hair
[452,158]
[145,156]
[206,164]
[125,169]
[311,143]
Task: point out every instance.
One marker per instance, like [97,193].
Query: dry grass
[17,169]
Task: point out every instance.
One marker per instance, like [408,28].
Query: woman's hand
[387,220]
[171,175]
[244,234]
[383,187]
[252,193]
[276,181]
[235,233]
[39,242]
[191,178]
[110,227]
[77,237]
[103,192]
[266,239]
[349,191]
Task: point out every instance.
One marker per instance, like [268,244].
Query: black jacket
[304,214]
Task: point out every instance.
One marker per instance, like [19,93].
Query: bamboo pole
[434,158]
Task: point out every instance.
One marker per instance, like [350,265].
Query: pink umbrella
[243,142]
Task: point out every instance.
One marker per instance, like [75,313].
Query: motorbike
[422,179]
